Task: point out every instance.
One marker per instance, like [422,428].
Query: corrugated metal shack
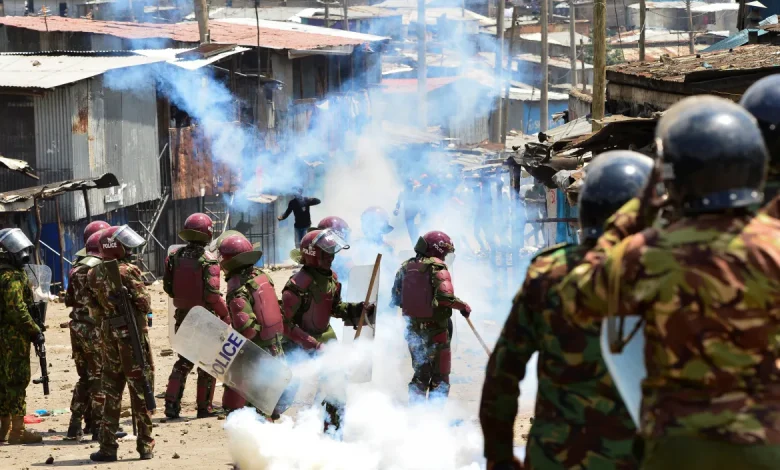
[640,89]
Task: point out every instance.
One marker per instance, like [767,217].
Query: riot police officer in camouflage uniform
[17,331]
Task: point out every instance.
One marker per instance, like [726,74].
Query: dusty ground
[188,442]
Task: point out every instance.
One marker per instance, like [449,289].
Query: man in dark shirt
[299,206]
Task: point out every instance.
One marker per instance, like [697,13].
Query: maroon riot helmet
[198,228]
[319,247]
[116,242]
[235,251]
[338,225]
[94,227]
[435,244]
[92,247]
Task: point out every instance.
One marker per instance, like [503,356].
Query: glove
[38,339]
[319,347]
[513,465]
[465,311]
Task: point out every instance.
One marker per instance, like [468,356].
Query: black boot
[171,410]
[147,455]
[101,456]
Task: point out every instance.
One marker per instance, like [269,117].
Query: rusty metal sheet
[192,166]
[22,199]
[18,165]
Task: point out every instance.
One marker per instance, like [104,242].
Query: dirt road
[189,442]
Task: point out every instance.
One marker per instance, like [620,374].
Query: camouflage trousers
[691,453]
[178,380]
[429,346]
[87,402]
[555,445]
[120,368]
[15,371]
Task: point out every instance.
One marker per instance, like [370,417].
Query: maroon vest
[266,307]
[316,318]
[187,283]
[417,290]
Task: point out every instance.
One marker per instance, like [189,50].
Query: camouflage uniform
[241,285]
[708,288]
[772,208]
[580,420]
[85,340]
[429,338]
[212,299]
[17,328]
[118,362]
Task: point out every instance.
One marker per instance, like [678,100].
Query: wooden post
[505,114]
[346,15]
[327,14]
[497,119]
[422,69]
[642,17]
[61,237]
[86,205]
[543,108]
[691,48]
[202,14]
[38,229]
[582,61]
[599,60]
[573,43]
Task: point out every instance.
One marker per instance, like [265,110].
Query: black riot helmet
[713,155]
[611,180]
[762,100]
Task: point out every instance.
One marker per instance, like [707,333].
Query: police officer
[342,264]
[119,363]
[310,298]
[423,289]
[762,99]
[84,336]
[580,419]
[192,279]
[17,331]
[706,287]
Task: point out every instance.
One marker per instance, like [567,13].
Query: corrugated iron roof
[409,85]
[18,165]
[558,38]
[686,68]
[354,12]
[551,61]
[48,71]
[696,7]
[741,38]
[171,56]
[241,31]
[654,53]
[22,199]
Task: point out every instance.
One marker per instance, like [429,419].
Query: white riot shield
[39,278]
[171,308]
[229,357]
[628,367]
[359,279]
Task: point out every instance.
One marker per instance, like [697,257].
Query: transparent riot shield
[223,353]
[171,308]
[39,277]
[359,279]
[627,367]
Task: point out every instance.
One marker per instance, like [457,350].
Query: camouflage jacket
[212,297]
[77,296]
[443,300]
[708,288]
[246,285]
[17,298]
[580,419]
[105,295]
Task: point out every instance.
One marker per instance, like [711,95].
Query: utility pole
[497,119]
[346,15]
[572,30]
[582,63]
[599,60]
[642,13]
[543,110]
[510,55]
[202,14]
[691,49]
[422,69]
[327,14]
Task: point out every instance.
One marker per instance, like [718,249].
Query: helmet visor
[14,240]
[330,242]
[128,237]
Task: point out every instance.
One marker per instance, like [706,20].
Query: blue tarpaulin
[564,232]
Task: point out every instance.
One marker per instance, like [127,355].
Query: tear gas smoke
[367,168]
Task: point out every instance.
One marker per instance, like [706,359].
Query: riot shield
[627,367]
[357,286]
[39,277]
[223,353]
[171,308]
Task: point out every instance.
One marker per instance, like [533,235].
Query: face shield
[128,237]
[14,241]
[330,242]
